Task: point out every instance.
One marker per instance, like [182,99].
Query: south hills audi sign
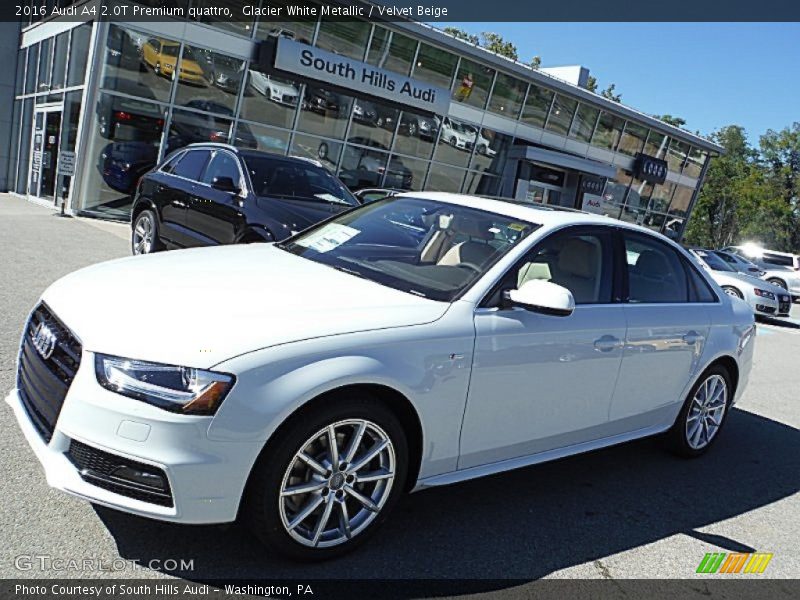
[306,61]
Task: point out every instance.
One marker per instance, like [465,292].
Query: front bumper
[206,477]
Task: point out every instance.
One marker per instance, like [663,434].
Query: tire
[779,282]
[322,151]
[145,235]
[680,437]
[482,150]
[412,129]
[732,291]
[273,515]
[453,141]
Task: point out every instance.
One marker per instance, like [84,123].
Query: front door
[541,382]
[44,153]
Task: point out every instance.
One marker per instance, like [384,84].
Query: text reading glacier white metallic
[367,76]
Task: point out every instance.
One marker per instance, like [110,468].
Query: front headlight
[764,293]
[184,390]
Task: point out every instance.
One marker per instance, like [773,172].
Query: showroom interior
[122,96]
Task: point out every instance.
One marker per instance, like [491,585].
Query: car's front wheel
[779,282]
[145,238]
[328,480]
[703,414]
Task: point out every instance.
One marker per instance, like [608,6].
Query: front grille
[765,309]
[44,379]
[784,304]
[98,467]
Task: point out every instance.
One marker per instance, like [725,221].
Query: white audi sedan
[417,341]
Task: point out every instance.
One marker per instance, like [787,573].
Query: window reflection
[584,122]
[442,178]
[327,152]
[472,83]
[267,139]
[676,155]
[694,164]
[680,201]
[192,128]
[302,29]
[537,106]
[656,145]
[123,145]
[33,65]
[45,64]
[480,184]
[78,54]
[608,131]
[348,38]
[456,140]
[435,66]
[209,78]
[324,111]
[391,50]
[637,201]
[561,114]
[490,149]
[270,99]
[364,167]
[374,121]
[414,171]
[60,56]
[632,140]
[662,194]
[416,134]
[507,96]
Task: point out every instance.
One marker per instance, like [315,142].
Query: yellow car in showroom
[162,57]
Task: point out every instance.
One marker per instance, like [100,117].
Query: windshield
[430,249]
[714,261]
[296,181]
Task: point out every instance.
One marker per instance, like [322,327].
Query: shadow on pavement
[523,524]
[788,323]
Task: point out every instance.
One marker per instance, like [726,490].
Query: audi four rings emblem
[44,340]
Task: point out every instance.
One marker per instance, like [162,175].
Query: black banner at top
[237,11]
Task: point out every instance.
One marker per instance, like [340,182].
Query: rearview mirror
[225,184]
[543,297]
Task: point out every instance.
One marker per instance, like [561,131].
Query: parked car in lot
[740,264]
[453,133]
[763,297]
[783,267]
[209,194]
[163,56]
[413,342]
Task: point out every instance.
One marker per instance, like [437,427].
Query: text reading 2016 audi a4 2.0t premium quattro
[416,341]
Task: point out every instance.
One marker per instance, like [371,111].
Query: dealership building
[395,104]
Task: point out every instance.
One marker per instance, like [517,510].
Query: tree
[671,120]
[731,179]
[591,83]
[536,62]
[460,34]
[609,93]
[494,42]
[780,151]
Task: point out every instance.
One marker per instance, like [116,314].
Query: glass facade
[153,94]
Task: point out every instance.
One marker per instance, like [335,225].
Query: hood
[200,307]
[296,215]
[757,282]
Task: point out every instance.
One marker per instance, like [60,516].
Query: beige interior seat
[578,269]
[476,250]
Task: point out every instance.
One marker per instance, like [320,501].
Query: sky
[711,74]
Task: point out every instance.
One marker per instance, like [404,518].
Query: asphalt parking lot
[632,511]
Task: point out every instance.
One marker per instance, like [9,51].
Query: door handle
[692,338]
[607,343]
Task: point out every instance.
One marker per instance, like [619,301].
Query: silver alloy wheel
[143,235]
[731,291]
[337,483]
[706,412]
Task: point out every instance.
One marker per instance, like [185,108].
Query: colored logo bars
[722,562]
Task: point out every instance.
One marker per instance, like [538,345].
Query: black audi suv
[207,194]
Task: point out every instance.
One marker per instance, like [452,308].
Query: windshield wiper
[349,271]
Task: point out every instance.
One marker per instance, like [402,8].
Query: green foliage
[670,120]
[536,62]
[591,83]
[609,93]
[751,194]
[494,42]
[460,34]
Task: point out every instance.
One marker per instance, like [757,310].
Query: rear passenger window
[191,164]
[655,272]
[222,165]
[170,165]
[699,290]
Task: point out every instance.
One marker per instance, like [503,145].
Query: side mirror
[224,184]
[543,297]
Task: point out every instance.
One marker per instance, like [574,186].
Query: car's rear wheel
[732,291]
[329,480]
[145,238]
[779,282]
[703,414]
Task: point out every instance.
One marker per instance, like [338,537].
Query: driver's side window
[580,262]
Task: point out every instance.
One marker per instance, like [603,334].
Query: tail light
[123,116]
[218,136]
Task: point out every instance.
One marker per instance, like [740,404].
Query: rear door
[668,323]
[179,185]
[215,216]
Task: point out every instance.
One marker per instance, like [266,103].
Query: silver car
[783,268]
[763,297]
